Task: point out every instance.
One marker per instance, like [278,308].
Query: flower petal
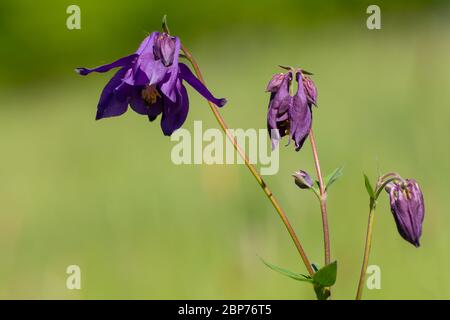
[112,102]
[187,75]
[300,116]
[311,91]
[147,44]
[141,107]
[137,103]
[146,71]
[104,68]
[280,103]
[164,48]
[275,82]
[407,207]
[155,110]
[175,114]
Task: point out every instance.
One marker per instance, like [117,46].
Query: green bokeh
[106,196]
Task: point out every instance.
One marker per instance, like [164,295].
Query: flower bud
[302,179]
[408,209]
[164,49]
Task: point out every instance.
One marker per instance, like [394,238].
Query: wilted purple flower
[408,208]
[151,82]
[302,179]
[290,115]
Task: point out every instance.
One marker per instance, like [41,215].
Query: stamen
[406,191]
[150,94]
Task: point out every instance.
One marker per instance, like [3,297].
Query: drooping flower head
[151,82]
[408,209]
[290,114]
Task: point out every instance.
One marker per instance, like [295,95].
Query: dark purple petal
[175,114]
[155,110]
[407,207]
[140,106]
[137,103]
[418,206]
[300,116]
[272,116]
[186,74]
[112,102]
[300,124]
[118,63]
[280,103]
[145,104]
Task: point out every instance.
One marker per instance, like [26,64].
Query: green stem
[252,168]
[383,182]
[322,198]
[367,248]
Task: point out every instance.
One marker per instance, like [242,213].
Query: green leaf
[369,187]
[332,177]
[290,274]
[326,276]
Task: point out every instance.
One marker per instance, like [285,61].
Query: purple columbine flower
[290,114]
[151,82]
[408,208]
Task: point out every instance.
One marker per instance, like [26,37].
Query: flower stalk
[322,198]
[151,82]
[367,247]
[407,207]
[252,168]
[373,194]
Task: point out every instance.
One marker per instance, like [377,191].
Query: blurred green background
[106,196]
